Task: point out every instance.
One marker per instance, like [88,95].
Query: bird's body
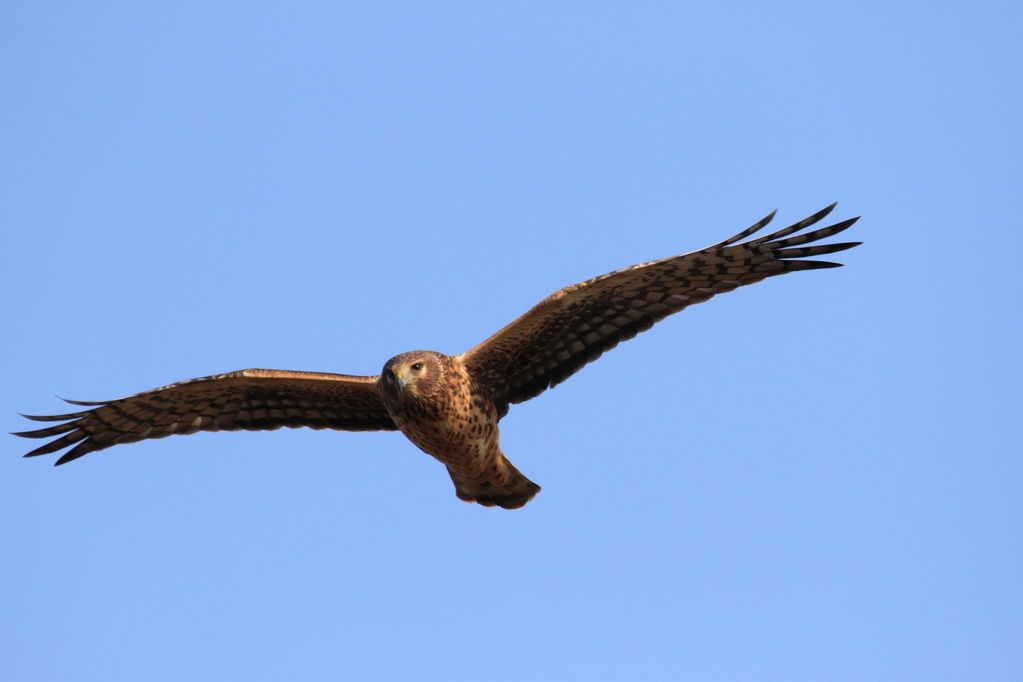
[434,402]
[449,406]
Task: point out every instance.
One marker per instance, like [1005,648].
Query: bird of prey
[449,405]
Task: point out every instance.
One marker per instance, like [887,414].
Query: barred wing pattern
[249,399]
[575,325]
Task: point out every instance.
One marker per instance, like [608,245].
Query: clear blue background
[816,478]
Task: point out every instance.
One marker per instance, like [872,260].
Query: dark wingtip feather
[28,434]
[752,229]
[49,431]
[818,216]
[812,264]
[70,456]
[85,403]
[797,227]
[46,449]
[824,211]
[844,225]
[816,250]
[52,417]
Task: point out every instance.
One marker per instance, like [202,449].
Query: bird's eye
[416,366]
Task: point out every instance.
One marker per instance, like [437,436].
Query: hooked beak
[398,377]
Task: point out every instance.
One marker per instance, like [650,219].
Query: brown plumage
[449,406]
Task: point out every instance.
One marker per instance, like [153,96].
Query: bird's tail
[501,485]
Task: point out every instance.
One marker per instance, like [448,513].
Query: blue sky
[818,477]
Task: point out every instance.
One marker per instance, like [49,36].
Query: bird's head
[417,373]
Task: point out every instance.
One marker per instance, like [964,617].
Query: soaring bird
[449,405]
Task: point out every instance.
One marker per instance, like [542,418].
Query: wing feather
[577,324]
[249,399]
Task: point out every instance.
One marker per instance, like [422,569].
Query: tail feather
[499,486]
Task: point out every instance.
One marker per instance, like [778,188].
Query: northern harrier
[449,406]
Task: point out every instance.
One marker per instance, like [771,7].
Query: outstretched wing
[575,325]
[249,399]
